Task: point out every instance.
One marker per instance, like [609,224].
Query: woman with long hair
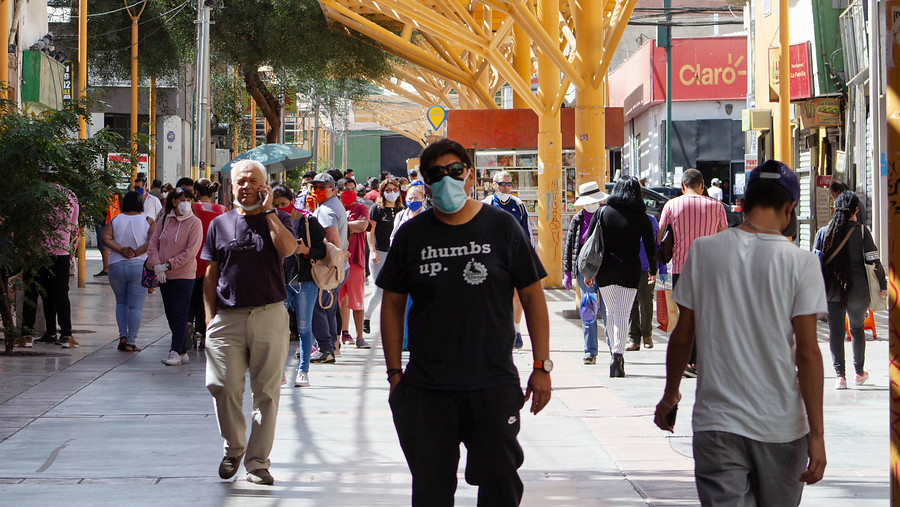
[845,247]
[623,223]
[172,255]
[206,210]
[388,205]
[128,237]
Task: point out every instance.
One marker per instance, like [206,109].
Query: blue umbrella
[276,157]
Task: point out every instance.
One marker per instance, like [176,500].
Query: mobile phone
[670,417]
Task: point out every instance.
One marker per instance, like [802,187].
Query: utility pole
[4,54]
[201,88]
[82,121]
[783,150]
[134,83]
[151,157]
[666,32]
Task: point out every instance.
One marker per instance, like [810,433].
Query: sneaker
[590,359]
[633,346]
[101,273]
[260,476]
[25,341]
[322,357]
[46,338]
[68,342]
[366,327]
[345,337]
[519,343]
[690,371]
[861,379]
[174,359]
[840,383]
[184,358]
[229,466]
[302,379]
[362,344]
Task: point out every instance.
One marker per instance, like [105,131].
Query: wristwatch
[269,212]
[546,365]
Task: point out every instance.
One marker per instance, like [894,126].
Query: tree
[37,152]
[292,37]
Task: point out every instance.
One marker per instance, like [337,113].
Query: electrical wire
[120,9]
[145,37]
[94,36]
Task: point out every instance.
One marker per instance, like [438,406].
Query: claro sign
[713,68]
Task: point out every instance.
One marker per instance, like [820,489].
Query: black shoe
[229,466]
[519,343]
[47,338]
[362,344]
[366,327]
[590,359]
[690,371]
[101,273]
[322,357]
[617,366]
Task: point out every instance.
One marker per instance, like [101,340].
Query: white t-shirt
[152,207]
[716,193]
[744,289]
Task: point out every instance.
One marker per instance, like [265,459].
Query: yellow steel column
[82,121]
[783,131]
[134,83]
[151,157]
[4,54]
[522,63]
[590,112]
[893,201]
[549,154]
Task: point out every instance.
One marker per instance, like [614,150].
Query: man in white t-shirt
[152,205]
[715,189]
[757,421]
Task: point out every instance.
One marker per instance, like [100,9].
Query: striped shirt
[691,217]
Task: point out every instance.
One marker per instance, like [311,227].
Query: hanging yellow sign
[436,116]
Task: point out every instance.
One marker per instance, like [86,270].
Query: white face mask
[592,207]
[184,210]
[501,196]
[392,196]
[404,187]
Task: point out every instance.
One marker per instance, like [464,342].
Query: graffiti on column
[892,9]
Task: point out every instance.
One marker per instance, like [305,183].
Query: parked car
[655,201]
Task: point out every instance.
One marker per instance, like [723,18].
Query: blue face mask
[414,205]
[139,190]
[449,194]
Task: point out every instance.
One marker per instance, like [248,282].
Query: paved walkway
[101,427]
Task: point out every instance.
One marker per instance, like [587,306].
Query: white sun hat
[590,193]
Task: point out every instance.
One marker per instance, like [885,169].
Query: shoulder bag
[876,302]
[590,258]
[327,272]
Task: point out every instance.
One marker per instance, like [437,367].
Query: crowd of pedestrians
[453,277]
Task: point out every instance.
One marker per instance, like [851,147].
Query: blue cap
[779,173]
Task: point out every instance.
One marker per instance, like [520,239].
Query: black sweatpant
[431,423]
[54,281]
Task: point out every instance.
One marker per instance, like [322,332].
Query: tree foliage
[37,156]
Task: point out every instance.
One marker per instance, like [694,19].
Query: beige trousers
[239,339]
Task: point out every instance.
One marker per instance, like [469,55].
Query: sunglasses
[435,173]
[503,183]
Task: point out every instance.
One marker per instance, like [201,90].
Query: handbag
[876,302]
[327,272]
[666,246]
[148,279]
[590,258]
[666,310]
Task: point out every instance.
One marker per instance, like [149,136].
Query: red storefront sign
[709,68]
[518,128]
[801,75]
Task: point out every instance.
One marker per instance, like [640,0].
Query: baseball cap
[778,172]
[324,178]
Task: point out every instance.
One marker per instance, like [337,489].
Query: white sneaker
[302,379]
[174,359]
[861,379]
[840,383]
[185,359]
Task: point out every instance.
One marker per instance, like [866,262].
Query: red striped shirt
[691,217]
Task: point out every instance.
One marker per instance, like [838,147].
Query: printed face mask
[348,197]
[592,207]
[321,195]
[449,194]
[391,196]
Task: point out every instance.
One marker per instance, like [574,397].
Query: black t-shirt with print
[461,279]
[384,225]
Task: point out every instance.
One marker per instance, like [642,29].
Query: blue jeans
[590,330]
[125,280]
[176,296]
[302,297]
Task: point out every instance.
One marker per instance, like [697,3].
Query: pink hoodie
[176,242]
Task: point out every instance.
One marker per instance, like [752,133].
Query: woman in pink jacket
[173,256]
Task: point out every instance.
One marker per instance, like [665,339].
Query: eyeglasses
[435,173]
[503,183]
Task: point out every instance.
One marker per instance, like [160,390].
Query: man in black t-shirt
[460,263]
